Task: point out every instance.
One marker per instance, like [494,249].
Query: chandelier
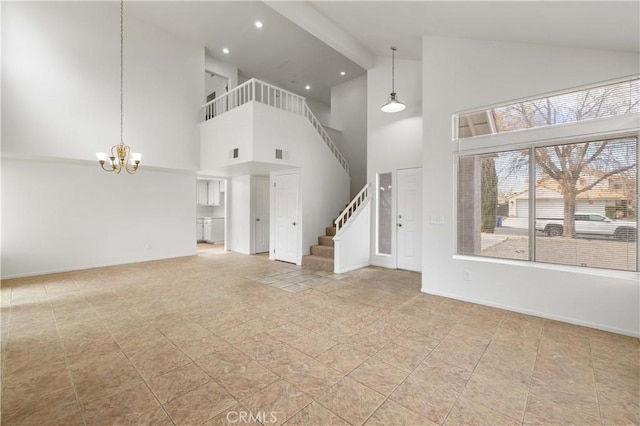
[393,103]
[121,156]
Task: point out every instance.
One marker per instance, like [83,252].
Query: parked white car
[591,224]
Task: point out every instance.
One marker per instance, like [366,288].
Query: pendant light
[121,156]
[393,104]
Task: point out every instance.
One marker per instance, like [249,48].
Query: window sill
[609,273]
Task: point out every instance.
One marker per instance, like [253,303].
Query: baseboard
[545,315]
[87,267]
[353,268]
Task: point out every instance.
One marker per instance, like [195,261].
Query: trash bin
[498,221]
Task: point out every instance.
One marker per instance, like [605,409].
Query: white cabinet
[199,229]
[202,192]
[206,230]
[208,192]
[217,230]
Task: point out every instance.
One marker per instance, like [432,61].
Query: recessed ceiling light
[258,24]
[307,87]
[225,51]
[343,73]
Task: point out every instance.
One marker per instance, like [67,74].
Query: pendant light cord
[121,72]
[393,69]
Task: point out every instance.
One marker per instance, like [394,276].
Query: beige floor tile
[312,344]
[315,414]
[21,407]
[417,342]
[96,382]
[175,383]
[427,399]
[222,362]
[199,404]
[311,376]
[246,380]
[618,405]
[508,397]
[195,340]
[286,331]
[466,412]
[260,346]
[125,407]
[158,359]
[342,357]
[441,373]
[50,377]
[393,414]
[102,332]
[549,406]
[351,401]
[238,414]
[379,376]
[400,357]
[280,401]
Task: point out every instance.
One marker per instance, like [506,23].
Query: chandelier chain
[122,71]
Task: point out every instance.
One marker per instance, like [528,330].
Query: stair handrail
[288,101]
[352,208]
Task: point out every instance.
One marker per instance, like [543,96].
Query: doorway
[409,219]
[398,225]
[286,218]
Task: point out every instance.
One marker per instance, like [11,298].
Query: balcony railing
[268,94]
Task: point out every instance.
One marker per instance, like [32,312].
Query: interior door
[286,220]
[409,219]
[261,215]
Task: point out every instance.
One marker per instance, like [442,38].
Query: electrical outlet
[467,276]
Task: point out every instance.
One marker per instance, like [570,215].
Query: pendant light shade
[393,103]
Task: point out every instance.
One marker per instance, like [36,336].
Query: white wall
[460,74]
[66,215]
[239,238]
[324,183]
[352,246]
[222,69]
[321,110]
[349,115]
[394,140]
[61,104]
[221,134]
[61,81]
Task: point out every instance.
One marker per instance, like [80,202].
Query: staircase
[321,257]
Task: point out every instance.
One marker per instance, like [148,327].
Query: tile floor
[223,338]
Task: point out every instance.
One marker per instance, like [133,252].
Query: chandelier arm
[102,163]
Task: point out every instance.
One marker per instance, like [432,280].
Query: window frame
[567,133]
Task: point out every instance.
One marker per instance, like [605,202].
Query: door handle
[258,220]
[294,224]
[399,225]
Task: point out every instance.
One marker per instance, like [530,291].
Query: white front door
[286,217]
[261,215]
[409,219]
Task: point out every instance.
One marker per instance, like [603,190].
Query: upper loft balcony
[257,128]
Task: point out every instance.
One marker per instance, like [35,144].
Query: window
[580,219]
[607,100]
[385,224]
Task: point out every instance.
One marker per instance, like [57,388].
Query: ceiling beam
[315,23]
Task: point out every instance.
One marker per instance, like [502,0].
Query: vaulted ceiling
[311,42]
